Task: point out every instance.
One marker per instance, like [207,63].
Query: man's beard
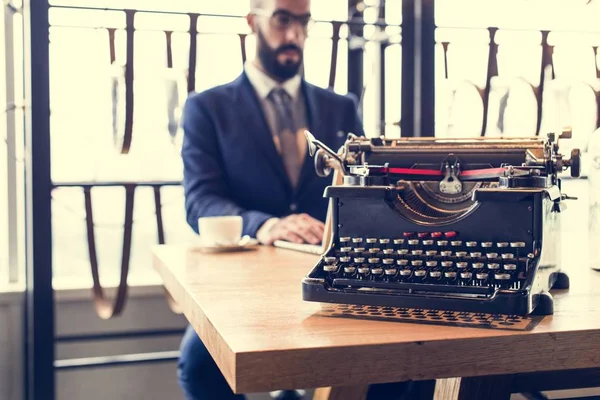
[268,59]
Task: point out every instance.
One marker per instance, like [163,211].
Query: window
[569,96]
[82,79]
[88,112]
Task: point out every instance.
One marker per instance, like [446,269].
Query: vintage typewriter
[464,224]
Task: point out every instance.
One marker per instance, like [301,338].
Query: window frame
[15,262]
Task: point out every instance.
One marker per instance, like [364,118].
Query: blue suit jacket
[231,165]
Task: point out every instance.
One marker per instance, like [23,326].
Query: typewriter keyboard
[440,259]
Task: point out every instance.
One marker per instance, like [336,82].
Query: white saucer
[246,243]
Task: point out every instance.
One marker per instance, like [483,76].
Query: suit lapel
[254,120]
[315,121]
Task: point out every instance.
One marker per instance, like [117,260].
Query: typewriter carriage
[385,188]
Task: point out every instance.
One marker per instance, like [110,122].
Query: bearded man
[244,153]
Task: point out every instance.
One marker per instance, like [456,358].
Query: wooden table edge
[212,339]
[565,351]
[543,351]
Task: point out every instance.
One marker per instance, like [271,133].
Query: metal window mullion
[382,72]
[39,311]
[11,159]
[407,103]
[418,69]
[355,55]
[426,22]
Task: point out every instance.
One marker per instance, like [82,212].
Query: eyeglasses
[283,20]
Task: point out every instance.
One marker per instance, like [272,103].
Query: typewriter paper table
[247,307]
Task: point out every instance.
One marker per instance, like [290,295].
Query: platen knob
[575,163]
[321,164]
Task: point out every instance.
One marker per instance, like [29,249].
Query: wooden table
[248,310]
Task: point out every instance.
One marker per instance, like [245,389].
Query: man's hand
[295,228]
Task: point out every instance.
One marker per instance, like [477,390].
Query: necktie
[286,132]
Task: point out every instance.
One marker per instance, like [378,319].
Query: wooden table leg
[356,392]
[484,387]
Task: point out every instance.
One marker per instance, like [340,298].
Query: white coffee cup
[221,230]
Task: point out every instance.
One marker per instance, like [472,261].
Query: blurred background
[119,73]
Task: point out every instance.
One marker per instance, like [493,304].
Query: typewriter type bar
[454,233]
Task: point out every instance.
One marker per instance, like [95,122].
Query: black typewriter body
[467,226]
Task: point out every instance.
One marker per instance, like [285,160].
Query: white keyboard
[302,247]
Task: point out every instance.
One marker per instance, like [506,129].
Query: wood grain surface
[248,309]
[488,387]
[357,392]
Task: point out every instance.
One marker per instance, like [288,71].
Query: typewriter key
[357,240]
[450,275]
[349,271]
[435,274]
[384,241]
[344,239]
[417,252]
[416,263]
[431,253]
[506,256]
[398,241]
[502,245]
[442,243]
[330,267]
[405,272]
[436,234]
[456,243]
[476,254]
[402,263]
[502,277]
[359,260]
[391,272]
[373,260]
[462,264]
[329,260]
[510,267]
[371,240]
[493,266]
[413,242]
[403,252]
[408,234]
[481,276]
[422,234]
[377,271]
[388,261]
[388,252]
[486,244]
[461,254]
[427,242]
[420,273]
[478,265]
[363,270]
[446,253]
[517,244]
[359,250]
[431,263]
[466,275]
[450,234]
[447,264]
[471,244]
[492,255]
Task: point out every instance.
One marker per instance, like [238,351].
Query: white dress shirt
[263,85]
